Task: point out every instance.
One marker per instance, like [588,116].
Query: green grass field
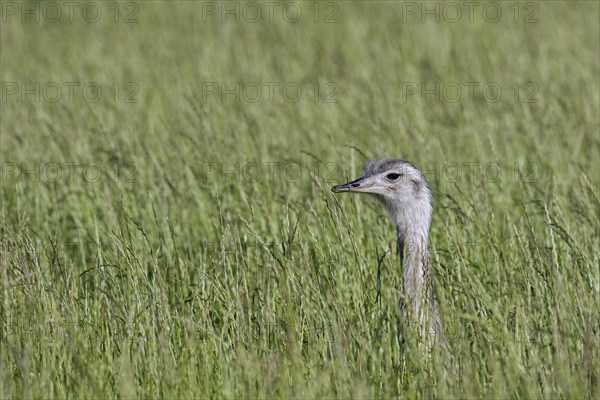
[167,228]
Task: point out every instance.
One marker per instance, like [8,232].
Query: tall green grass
[191,246]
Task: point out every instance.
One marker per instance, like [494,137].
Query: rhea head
[402,188]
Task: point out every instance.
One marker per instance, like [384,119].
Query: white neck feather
[412,227]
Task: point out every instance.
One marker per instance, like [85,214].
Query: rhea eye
[393,176]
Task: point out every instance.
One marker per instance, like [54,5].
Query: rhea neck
[412,219]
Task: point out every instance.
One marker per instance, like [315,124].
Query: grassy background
[191,246]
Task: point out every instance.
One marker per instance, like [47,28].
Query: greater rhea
[406,194]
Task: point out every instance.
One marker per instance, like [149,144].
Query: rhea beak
[358,185]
